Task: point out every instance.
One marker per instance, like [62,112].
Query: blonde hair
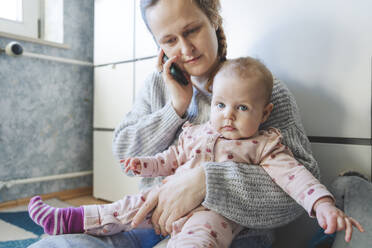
[211,8]
[250,68]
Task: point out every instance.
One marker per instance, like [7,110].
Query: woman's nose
[187,47]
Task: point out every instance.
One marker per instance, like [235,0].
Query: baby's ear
[267,111]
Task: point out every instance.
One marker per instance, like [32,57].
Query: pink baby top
[201,143]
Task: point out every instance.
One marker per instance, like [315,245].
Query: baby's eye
[220,105]
[242,107]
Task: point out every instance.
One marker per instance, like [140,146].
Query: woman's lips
[193,60]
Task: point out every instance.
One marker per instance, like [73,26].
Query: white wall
[322,50]
[122,47]
[319,48]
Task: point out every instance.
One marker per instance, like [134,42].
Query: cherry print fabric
[197,144]
[109,219]
[200,143]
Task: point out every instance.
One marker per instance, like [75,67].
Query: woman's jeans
[133,239]
[137,238]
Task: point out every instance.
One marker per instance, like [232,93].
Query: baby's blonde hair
[249,68]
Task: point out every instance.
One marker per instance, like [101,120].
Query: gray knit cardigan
[240,192]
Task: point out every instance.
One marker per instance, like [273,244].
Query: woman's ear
[266,112]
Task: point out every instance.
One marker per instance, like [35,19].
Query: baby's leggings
[198,229]
[203,229]
[112,218]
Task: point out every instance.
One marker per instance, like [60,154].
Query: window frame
[29,26]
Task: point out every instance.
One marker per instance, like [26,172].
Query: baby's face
[238,107]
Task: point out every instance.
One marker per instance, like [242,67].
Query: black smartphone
[176,72]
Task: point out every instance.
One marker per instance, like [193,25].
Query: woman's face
[182,29]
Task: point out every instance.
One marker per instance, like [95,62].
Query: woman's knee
[345,186]
[69,240]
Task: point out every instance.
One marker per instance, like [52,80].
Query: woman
[190,33]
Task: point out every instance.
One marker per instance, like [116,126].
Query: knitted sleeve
[152,124]
[247,194]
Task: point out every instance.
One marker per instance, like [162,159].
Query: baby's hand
[332,219]
[132,164]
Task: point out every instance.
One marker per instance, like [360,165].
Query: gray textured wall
[46,110]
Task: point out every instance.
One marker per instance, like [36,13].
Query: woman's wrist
[180,110]
[197,183]
[202,181]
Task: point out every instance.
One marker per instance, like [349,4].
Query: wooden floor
[75,197]
[84,200]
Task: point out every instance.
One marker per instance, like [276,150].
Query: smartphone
[176,72]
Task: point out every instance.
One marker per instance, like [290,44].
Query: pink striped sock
[56,221]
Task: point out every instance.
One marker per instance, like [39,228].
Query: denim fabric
[251,242]
[136,238]
[321,239]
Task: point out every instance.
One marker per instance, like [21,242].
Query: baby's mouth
[228,128]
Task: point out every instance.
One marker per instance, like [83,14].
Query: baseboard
[62,195]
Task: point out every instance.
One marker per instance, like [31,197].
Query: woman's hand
[332,219]
[180,94]
[174,199]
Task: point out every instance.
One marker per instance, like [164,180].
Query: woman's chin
[196,72]
[202,69]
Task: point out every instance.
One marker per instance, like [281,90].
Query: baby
[240,103]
